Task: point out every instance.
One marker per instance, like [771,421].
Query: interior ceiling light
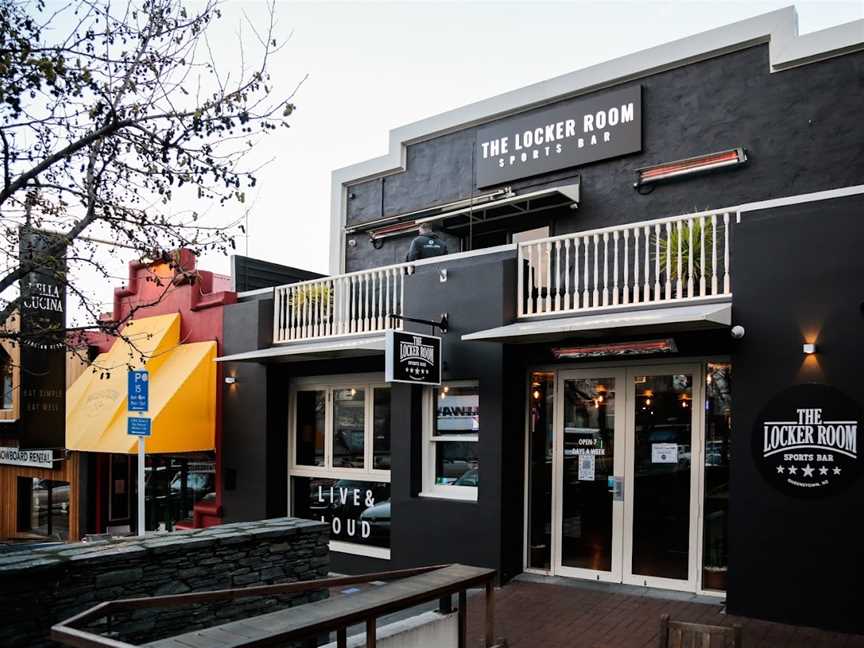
[691,166]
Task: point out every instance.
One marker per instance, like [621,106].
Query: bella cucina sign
[806,441]
[567,134]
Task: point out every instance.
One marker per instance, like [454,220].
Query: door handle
[616,487]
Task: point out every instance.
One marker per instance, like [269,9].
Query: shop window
[357,512]
[43,507]
[541,401]
[341,427]
[349,427]
[311,406]
[7,402]
[174,484]
[452,432]
[120,478]
[340,466]
[718,439]
[381,429]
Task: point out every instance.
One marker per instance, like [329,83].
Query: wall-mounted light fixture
[230,380]
[808,348]
[689,166]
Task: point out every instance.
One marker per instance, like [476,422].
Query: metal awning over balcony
[328,349]
[669,319]
[488,207]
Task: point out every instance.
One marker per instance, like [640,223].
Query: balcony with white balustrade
[669,261]
[676,261]
[357,303]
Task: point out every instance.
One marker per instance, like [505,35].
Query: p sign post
[138,400]
[139,390]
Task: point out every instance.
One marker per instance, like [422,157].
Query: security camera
[737,331]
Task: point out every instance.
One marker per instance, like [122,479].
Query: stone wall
[39,587]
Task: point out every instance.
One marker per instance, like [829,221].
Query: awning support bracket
[441,325]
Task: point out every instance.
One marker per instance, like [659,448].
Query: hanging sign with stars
[412,358]
[807,441]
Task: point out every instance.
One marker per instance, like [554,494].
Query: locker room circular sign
[807,441]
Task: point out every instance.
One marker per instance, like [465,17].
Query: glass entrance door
[589,452]
[662,493]
[626,462]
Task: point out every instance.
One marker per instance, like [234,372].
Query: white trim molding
[354,549]
[779,29]
[798,199]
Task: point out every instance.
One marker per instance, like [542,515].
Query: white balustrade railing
[358,302]
[678,259]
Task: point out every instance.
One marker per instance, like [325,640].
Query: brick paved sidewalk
[542,615]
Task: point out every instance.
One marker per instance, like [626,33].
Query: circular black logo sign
[807,440]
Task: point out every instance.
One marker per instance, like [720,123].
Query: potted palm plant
[689,233]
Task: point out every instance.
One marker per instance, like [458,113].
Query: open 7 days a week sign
[807,441]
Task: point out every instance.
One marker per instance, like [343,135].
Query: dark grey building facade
[653,331]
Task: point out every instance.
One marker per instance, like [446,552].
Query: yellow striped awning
[182,392]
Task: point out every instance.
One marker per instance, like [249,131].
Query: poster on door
[586,467]
[664,453]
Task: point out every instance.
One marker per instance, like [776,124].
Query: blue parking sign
[138,426]
[138,391]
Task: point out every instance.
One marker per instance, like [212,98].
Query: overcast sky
[376,66]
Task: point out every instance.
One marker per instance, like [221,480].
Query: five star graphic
[807,471]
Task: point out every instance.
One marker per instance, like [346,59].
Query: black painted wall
[428,530]
[801,129]
[250,478]
[797,273]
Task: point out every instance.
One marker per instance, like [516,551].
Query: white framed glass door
[661,476]
[588,451]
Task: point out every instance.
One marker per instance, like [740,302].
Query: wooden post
[738,638]
[342,638]
[490,614]
[445,604]
[371,636]
[663,637]
[462,619]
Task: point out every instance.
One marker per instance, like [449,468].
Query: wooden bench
[679,634]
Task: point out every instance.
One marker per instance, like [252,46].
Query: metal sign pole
[138,400]
[141,455]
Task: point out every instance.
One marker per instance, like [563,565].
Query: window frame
[330,384]
[430,447]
